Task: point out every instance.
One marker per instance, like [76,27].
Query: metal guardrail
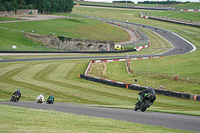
[163,75]
[176,20]
[143,37]
[133,86]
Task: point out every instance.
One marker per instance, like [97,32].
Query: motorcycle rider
[40,96]
[18,93]
[148,90]
[50,98]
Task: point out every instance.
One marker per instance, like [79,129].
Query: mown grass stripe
[8,78]
[44,76]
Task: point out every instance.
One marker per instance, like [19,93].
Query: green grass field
[189,64]
[61,78]
[117,71]
[73,28]
[192,5]
[195,16]
[12,33]
[7,19]
[105,4]
[32,120]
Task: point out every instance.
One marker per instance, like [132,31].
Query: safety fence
[125,6]
[133,86]
[173,20]
[167,76]
[163,75]
[143,37]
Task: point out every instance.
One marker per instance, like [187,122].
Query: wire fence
[177,78]
[143,37]
[177,20]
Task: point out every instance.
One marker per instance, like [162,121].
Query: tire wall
[136,87]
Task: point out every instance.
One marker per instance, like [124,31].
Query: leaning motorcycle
[145,103]
[14,98]
[49,101]
[39,100]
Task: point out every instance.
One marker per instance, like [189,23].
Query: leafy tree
[41,5]
[8,6]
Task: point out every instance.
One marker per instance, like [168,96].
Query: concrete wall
[18,12]
[71,43]
[6,13]
[27,12]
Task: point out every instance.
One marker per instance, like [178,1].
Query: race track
[180,46]
[183,122]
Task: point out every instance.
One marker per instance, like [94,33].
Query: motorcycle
[14,98]
[39,100]
[146,102]
[49,101]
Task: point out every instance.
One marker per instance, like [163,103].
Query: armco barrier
[117,51]
[133,86]
[140,88]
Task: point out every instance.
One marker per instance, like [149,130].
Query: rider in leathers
[148,90]
[18,93]
[51,98]
[40,96]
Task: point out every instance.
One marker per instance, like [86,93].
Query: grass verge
[61,78]
[117,71]
[12,33]
[189,64]
[17,119]
[7,19]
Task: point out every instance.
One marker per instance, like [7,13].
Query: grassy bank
[19,119]
[192,5]
[62,79]
[117,71]
[73,28]
[12,33]
[7,19]
[188,66]
[195,16]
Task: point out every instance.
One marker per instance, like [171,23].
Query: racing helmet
[148,87]
[18,89]
[42,94]
[51,94]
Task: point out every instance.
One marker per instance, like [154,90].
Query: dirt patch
[127,69]
[100,71]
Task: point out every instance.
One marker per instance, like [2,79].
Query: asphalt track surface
[180,46]
[182,122]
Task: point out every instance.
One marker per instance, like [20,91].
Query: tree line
[43,6]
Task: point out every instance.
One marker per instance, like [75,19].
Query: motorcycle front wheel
[145,106]
[135,108]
